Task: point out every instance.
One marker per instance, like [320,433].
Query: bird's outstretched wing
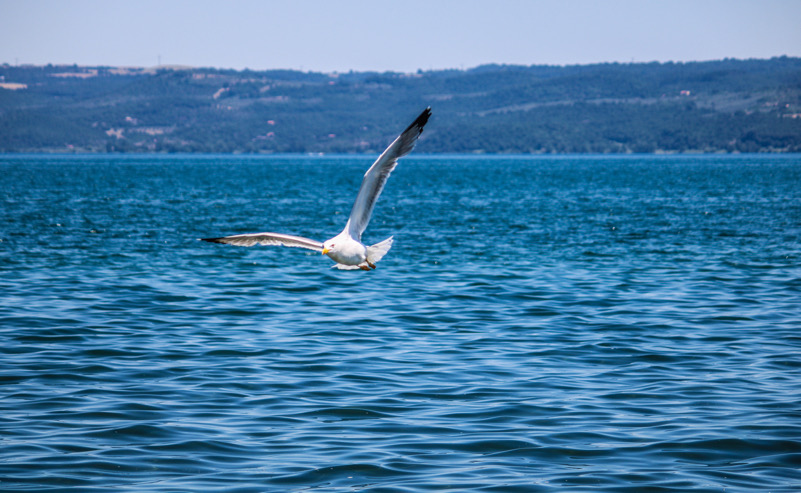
[375,178]
[268,239]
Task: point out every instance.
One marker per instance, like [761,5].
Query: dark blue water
[541,324]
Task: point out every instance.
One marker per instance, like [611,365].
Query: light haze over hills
[722,106]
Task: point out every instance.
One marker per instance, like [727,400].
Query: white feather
[346,248]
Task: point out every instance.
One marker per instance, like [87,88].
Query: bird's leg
[364,267]
[372,265]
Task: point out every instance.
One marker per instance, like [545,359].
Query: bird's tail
[377,251]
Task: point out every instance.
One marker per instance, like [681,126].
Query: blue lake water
[590,323]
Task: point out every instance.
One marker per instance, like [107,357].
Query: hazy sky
[398,35]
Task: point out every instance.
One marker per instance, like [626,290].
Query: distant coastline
[726,106]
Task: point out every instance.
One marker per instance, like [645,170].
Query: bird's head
[336,244]
[328,246]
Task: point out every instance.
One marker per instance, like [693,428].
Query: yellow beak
[325,250]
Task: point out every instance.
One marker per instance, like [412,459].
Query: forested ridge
[716,106]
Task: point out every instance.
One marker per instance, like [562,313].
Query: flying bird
[346,248]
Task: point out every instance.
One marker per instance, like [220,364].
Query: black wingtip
[211,240]
[421,121]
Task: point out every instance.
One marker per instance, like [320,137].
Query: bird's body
[346,248]
[343,249]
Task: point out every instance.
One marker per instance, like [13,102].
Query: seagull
[346,248]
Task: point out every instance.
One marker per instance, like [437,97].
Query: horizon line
[178,66]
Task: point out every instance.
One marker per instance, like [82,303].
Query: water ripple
[572,324]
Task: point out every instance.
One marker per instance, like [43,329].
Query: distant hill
[717,106]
